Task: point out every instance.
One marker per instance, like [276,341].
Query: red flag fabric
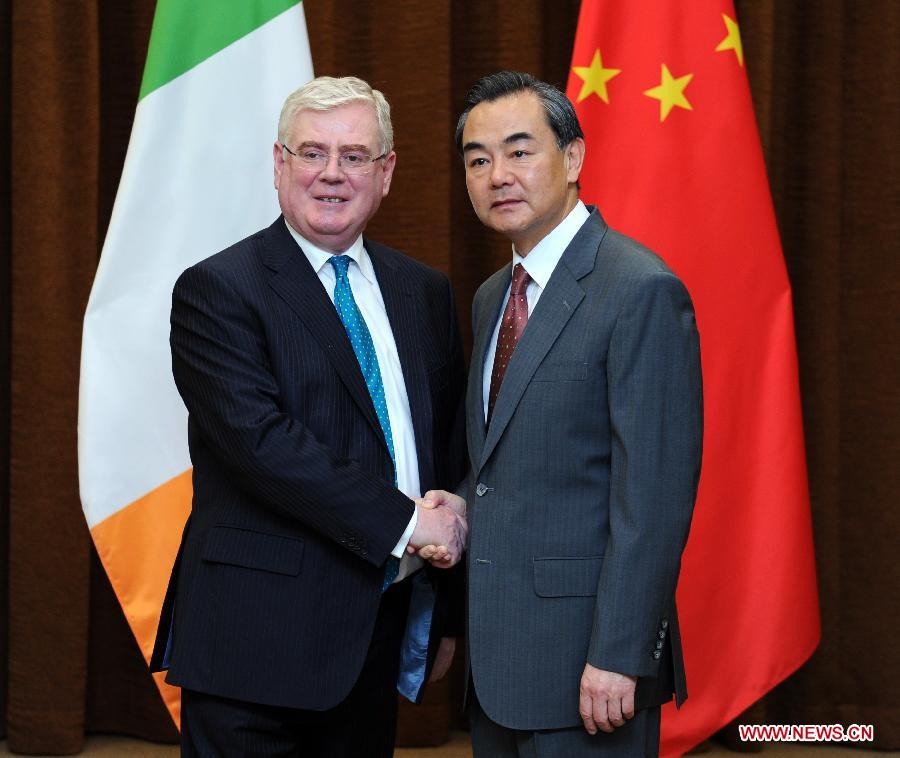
[674,160]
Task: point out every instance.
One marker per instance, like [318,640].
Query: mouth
[505,203]
[331,199]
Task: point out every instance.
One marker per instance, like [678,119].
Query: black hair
[561,114]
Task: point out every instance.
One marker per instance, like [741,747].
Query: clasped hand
[441,528]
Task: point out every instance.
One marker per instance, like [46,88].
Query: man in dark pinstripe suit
[323,377]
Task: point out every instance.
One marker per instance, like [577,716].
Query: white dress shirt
[368,299]
[539,263]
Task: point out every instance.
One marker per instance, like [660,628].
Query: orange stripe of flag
[137,546]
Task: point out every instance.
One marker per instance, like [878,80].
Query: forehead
[349,124]
[493,121]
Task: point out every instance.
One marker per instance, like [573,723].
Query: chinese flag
[674,160]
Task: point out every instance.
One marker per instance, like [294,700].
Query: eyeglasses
[353,162]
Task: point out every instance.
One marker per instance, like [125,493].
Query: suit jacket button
[481,489]
[659,644]
[664,624]
[656,655]
[661,635]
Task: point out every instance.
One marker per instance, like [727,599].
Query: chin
[496,221]
[329,223]
[509,227]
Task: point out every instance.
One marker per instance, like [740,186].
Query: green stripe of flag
[187,32]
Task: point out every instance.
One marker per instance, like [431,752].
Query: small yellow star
[732,40]
[595,78]
[670,93]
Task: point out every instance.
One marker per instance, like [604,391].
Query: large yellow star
[732,40]
[595,78]
[670,93]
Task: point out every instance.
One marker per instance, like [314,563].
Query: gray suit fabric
[637,738]
[581,490]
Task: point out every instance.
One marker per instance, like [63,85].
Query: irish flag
[674,160]
[197,177]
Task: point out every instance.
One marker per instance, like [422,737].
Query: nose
[332,171]
[500,174]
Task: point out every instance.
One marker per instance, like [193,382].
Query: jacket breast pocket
[567,577]
[253,550]
[560,371]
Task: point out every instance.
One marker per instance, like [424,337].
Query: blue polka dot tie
[364,348]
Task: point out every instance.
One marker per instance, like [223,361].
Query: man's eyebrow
[518,137]
[358,148]
[341,148]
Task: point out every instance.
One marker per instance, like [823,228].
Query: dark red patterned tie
[515,317]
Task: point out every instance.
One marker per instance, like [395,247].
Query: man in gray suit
[584,415]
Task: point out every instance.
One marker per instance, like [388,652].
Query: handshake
[441,529]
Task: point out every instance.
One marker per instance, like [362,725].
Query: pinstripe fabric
[361,725]
[278,580]
[638,738]
[582,487]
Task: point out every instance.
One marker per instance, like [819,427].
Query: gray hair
[326,92]
[560,112]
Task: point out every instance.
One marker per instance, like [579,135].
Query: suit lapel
[405,325]
[556,306]
[558,303]
[491,299]
[291,276]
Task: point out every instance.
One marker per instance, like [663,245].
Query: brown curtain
[824,82]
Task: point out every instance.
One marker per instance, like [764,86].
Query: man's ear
[278,161]
[574,159]
[390,161]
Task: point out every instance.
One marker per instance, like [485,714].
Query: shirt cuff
[400,548]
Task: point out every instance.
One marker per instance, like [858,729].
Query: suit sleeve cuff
[400,547]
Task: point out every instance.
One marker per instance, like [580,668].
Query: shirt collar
[540,262]
[319,257]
